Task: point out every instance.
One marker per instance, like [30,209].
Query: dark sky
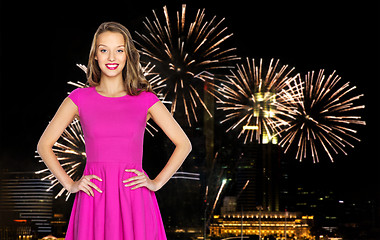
[40,45]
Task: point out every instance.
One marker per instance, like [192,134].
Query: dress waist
[118,164]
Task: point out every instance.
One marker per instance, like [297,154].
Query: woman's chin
[111,73]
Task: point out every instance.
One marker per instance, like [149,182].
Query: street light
[241,219]
[260,208]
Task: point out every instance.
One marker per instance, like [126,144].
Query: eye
[103,50]
[120,50]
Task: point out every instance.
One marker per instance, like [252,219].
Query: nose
[111,57]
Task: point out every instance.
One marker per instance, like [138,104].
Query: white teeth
[112,65]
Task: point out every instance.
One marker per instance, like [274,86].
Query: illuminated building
[26,207]
[264,107]
[261,161]
[266,224]
[262,165]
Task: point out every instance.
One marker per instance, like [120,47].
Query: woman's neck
[111,85]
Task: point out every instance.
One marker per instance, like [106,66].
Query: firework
[187,175]
[324,117]
[186,56]
[70,152]
[224,181]
[258,102]
[215,184]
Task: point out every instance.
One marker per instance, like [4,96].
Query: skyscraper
[26,207]
[261,165]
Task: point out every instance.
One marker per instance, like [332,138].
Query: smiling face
[110,54]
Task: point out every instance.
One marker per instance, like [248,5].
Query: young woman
[115,197]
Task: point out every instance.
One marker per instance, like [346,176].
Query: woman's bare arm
[63,117]
[163,118]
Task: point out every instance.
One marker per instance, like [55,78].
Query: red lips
[112,66]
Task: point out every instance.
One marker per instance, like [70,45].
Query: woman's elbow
[42,146]
[189,146]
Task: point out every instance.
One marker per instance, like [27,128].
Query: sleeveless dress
[113,129]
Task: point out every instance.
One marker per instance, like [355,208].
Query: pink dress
[113,129]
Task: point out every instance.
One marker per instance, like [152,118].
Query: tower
[261,165]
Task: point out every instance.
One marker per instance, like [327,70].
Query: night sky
[40,45]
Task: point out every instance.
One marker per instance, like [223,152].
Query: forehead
[110,39]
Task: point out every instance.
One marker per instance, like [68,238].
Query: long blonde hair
[133,77]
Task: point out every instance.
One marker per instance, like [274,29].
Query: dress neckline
[106,96]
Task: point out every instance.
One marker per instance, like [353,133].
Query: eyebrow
[107,46]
